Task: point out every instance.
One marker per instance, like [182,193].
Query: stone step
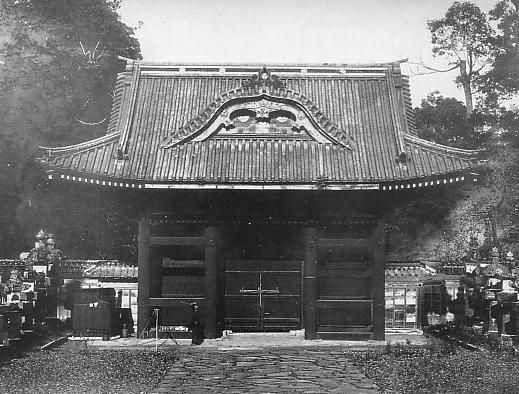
[345,335]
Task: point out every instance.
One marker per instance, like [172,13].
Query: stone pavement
[264,370]
[263,362]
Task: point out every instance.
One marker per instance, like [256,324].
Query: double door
[263,295]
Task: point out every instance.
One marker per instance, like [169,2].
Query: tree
[58,64]
[465,37]
[442,120]
[502,79]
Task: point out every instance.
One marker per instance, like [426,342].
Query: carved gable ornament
[263,118]
[258,109]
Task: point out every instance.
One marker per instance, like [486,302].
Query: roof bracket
[403,158]
[121,155]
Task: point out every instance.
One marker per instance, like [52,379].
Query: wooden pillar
[378,284]
[211,283]
[310,284]
[143,298]
[220,312]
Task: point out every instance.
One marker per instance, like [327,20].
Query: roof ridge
[338,65]
[118,93]
[82,145]
[443,148]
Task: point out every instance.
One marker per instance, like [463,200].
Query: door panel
[281,313]
[242,299]
[236,282]
[356,314]
[345,287]
[287,283]
[263,295]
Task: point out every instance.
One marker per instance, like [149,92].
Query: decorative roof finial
[264,80]
[40,235]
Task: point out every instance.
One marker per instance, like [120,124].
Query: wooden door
[263,295]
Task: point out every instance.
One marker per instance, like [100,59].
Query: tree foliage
[465,37]
[58,62]
[502,79]
[488,60]
[442,120]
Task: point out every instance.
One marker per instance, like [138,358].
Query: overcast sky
[293,31]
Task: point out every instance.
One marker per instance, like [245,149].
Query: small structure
[492,288]
[404,293]
[100,274]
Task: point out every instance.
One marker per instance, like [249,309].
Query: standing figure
[197,329]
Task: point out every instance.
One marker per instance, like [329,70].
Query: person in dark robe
[197,329]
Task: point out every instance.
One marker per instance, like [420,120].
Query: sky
[295,31]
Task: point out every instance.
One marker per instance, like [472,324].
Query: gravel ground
[84,371]
[394,370]
[410,370]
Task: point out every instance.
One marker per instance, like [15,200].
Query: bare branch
[432,69]
[82,48]
[483,65]
[90,123]
[91,57]
[84,105]
[422,73]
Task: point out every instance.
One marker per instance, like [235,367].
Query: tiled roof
[160,114]
[11,263]
[407,270]
[73,268]
[94,269]
[98,269]
[111,271]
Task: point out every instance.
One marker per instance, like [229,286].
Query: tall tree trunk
[465,82]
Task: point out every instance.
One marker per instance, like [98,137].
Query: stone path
[268,370]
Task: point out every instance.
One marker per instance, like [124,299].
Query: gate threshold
[296,338]
[264,334]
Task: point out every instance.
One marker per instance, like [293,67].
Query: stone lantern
[50,243]
[39,240]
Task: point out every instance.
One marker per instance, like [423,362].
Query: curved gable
[261,108]
[261,116]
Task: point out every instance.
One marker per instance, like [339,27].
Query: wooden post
[310,283]
[143,297]
[211,283]
[378,257]
[156,311]
[220,313]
